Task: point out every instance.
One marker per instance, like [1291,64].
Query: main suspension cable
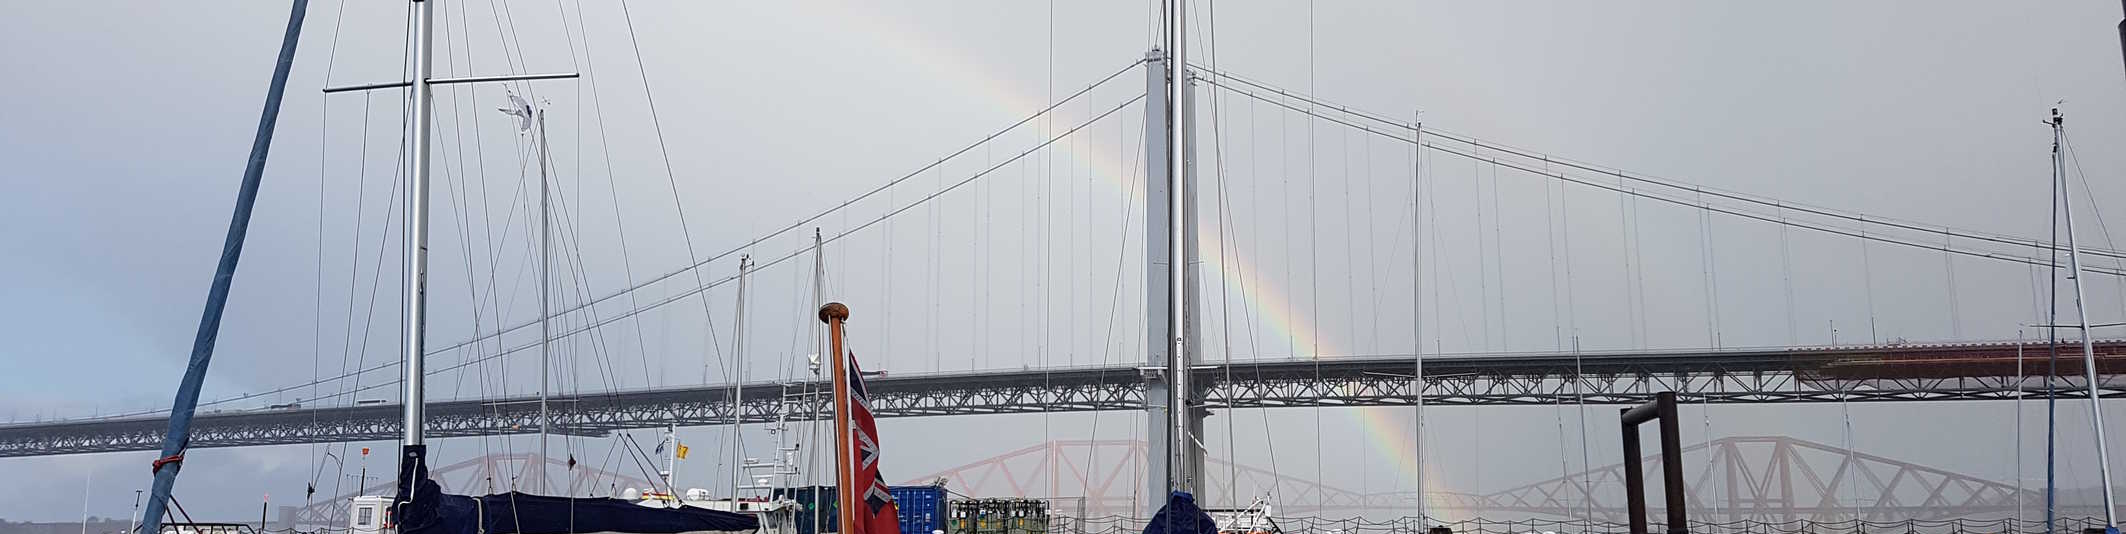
[1217,78]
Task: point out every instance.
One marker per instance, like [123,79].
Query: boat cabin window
[365,516]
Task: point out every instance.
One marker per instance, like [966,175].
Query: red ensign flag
[877,513]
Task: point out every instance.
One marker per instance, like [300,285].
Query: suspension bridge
[1153,193]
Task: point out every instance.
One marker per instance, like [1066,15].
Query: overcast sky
[129,123]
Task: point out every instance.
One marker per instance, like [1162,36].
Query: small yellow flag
[682,452]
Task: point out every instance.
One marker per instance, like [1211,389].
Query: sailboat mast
[414,277]
[1173,409]
[1177,287]
[2081,311]
[738,383]
[1417,313]
[819,276]
[2018,433]
[819,298]
[671,458]
[179,433]
[416,254]
[546,267]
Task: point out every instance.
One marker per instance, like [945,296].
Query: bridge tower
[1173,404]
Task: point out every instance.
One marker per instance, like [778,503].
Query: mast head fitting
[833,311]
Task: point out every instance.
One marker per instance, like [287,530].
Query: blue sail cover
[422,508]
[1181,516]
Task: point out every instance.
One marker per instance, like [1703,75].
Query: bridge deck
[1913,372]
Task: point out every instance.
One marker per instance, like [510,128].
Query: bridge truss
[1892,373]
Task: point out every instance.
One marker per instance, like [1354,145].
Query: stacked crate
[999,516]
[922,508]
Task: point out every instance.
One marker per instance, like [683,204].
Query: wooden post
[834,313]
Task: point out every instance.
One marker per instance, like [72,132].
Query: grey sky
[129,122]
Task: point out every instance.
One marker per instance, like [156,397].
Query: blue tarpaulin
[1181,516]
[422,508]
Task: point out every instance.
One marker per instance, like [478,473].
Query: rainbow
[1265,300]
[1388,433]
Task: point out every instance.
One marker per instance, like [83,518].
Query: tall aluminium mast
[738,383]
[2081,311]
[1174,415]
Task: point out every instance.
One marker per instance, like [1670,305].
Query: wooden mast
[834,313]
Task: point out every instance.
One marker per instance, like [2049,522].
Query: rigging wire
[1226,242]
[1129,206]
[354,254]
[578,277]
[347,343]
[686,231]
[2095,209]
[354,257]
[516,65]
[317,297]
[457,198]
[1246,308]
[627,262]
[490,300]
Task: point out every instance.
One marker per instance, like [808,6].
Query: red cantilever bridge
[1769,479]
[1857,373]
